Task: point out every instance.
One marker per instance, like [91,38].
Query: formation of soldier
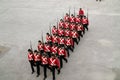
[59,42]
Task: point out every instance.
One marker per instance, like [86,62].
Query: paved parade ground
[97,57]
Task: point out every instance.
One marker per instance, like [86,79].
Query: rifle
[31,45]
[57,23]
[74,11]
[57,26]
[63,16]
[69,14]
[69,11]
[42,38]
[87,12]
[50,29]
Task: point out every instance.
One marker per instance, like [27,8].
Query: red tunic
[54,62]
[30,56]
[54,30]
[74,34]
[85,21]
[66,25]
[72,19]
[47,48]
[81,12]
[69,42]
[66,18]
[54,39]
[77,20]
[80,28]
[40,47]
[61,24]
[67,32]
[44,60]
[62,52]
[60,32]
[54,49]
[37,57]
[48,38]
[72,26]
[61,40]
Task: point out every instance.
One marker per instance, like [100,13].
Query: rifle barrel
[31,45]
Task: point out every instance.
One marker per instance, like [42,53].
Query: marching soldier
[44,62]
[37,59]
[85,22]
[54,64]
[54,30]
[55,39]
[66,18]
[31,59]
[61,23]
[80,29]
[69,43]
[67,32]
[47,49]
[81,13]
[60,32]
[40,47]
[77,20]
[66,25]
[62,55]
[74,36]
[72,18]
[61,41]
[54,49]
[49,39]
[72,26]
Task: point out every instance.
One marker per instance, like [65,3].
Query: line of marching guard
[59,42]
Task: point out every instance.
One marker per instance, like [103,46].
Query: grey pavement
[97,57]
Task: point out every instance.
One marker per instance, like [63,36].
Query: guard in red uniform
[66,24]
[80,29]
[67,32]
[55,39]
[61,41]
[54,49]
[40,47]
[31,59]
[69,43]
[49,39]
[54,30]
[37,59]
[74,36]
[72,18]
[72,26]
[85,22]
[44,62]
[47,49]
[77,20]
[81,13]
[62,55]
[61,23]
[66,18]
[54,64]
[60,32]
